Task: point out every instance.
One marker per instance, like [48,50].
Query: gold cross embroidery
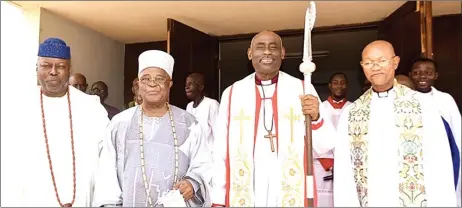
[292,117]
[241,118]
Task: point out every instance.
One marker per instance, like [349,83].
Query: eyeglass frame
[381,63]
[149,80]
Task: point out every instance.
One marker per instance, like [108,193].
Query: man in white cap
[153,148]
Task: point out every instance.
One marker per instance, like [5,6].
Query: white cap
[156,58]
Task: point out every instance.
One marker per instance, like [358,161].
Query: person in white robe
[424,73]
[153,149]
[323,164]
[259,150]
[205,109]
[392,148]
[59,158]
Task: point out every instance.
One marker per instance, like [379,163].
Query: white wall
[19,43]
[94,55]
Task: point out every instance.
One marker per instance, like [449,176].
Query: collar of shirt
[274,80]
[382,94]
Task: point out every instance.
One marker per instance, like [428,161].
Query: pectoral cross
[270,136]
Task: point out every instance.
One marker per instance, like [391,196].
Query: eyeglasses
[380,63]
[157,80]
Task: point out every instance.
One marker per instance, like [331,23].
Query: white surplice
[206,113]
[450,112]
[33,183]
[265,167]
[333,111]
[325,188]
[383,172]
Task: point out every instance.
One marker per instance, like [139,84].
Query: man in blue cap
[60,159]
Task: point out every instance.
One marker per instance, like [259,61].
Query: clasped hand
[186,189]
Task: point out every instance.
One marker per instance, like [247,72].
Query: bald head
[379,63]
[383,46]
[405,80]
[266,53]
[194,86]
[198,78]
[266,33]
[78,81]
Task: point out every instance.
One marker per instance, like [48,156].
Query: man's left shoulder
[84,97]
[444,96]
[291,82]
[90,103]
[212,101]
[290,78]
[183,115]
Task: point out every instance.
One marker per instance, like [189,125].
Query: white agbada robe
[450,112]
[206,113]
[266,180]
[383,177]
[34,186]
[119,180]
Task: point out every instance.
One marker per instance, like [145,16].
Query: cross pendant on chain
[270,136]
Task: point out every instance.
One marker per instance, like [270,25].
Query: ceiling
[144,21]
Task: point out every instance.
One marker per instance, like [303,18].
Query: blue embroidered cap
[54,48]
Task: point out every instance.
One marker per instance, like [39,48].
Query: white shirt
[206,113]
[33,182]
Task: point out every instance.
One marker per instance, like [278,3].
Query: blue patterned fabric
[454,152]
[54,48]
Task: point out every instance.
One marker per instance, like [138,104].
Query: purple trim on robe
[454,152]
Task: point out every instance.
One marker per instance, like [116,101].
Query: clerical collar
[274,80]
[383,94]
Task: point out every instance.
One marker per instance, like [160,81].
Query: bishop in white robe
[259,150]
[392,149]
[153,148]
[248,172]
[66,124]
